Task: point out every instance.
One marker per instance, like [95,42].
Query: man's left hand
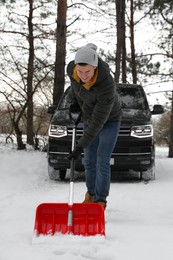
[75,153]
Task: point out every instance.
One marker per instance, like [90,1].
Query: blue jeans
[97,160]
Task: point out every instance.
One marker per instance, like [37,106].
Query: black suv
[135,145]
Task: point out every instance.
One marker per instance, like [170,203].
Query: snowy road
[139,217]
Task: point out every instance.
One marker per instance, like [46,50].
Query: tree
[33,58]
[121,42]
[161,129]
[59,80]
[132,43]
[23,69]
[165,10]
[30,75]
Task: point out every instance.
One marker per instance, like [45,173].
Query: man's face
[85,73]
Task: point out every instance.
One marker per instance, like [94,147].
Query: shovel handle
[72,163]
[72,169]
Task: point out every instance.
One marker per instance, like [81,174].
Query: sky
[138,218]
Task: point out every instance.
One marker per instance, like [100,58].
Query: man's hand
[75,153]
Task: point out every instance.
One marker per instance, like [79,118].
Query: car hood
[129,116]
[134,116]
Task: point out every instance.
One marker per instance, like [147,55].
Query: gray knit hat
[87,54]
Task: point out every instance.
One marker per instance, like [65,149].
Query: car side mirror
[51,109]
[157,109]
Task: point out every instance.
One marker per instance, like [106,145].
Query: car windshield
[132,98]
[66,99]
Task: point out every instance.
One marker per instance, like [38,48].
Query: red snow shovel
[86,219]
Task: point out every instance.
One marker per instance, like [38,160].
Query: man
[95,93]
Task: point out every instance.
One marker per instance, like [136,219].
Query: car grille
[124,131]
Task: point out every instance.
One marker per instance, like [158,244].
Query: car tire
[55,174]
[62,174]
[149,174]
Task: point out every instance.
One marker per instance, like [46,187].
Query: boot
[89,198]
[103,204]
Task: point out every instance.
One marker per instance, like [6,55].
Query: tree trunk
[120,48]
[30,132]
[59,80]
[133,60]
[170,155]
[119,37]
[20,144]
[123,28]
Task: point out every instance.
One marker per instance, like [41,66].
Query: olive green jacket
[99,104]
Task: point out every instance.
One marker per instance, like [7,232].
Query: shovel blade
[87,219]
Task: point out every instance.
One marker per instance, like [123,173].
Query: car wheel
[55,174]
[149,174]
[62,174]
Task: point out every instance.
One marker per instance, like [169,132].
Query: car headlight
[142,131]
[57,131]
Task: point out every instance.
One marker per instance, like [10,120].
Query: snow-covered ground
[139,217]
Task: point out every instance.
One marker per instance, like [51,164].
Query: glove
[74,108]
[75,153]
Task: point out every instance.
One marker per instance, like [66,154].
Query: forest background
[39,37]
